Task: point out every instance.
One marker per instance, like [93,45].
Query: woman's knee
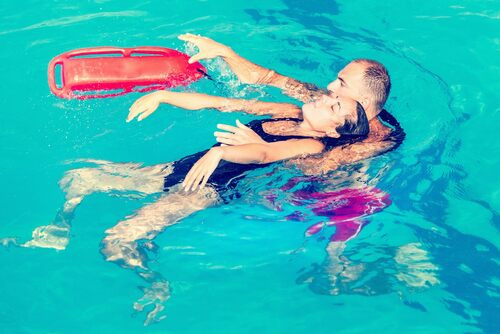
[124,253]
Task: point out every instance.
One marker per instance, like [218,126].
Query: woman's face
[328,112]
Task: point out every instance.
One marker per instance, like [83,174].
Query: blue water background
[240,268]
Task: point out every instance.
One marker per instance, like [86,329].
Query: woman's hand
[208,48]
[203,169]
[146,105]
[237,135]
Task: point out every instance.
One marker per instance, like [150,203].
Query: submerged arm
[339,156]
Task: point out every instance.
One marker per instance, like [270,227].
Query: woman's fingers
[139,101]
[138,107]
[224,134]
[131,115]
[198,179]
[244,128]
[198,175]
[136,103]
[239,135]
[234,137]
[191,175]
[241,125]
[189,180]
[226,141]
[141,113]
[145,113]
[134,112]
[207,174]
[204,180]
[134,107]
[228,138]
[250,134]
[229,128]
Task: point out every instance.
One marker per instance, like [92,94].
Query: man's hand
[239,135]
[202,169]
[146,105]
[208,48]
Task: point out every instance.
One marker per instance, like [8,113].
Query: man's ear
[365,101]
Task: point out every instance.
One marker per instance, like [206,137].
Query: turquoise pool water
[429,263]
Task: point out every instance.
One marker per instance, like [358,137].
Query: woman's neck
[293,128]
[304,129]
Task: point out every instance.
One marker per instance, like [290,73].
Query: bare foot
[49,236]
[156,295]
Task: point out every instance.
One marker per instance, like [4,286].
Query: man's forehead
[352,69]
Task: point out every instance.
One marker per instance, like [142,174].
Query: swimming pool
[427,263]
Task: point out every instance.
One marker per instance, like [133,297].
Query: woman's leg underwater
[104,177]
[120,244]
[126,243]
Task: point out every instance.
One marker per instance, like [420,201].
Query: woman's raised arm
[147,104]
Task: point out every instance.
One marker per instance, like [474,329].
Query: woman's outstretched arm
[146,105]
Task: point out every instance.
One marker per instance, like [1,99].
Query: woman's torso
[227,173]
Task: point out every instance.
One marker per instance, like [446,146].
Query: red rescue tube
[106,70]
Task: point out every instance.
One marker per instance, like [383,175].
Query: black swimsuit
[228,173]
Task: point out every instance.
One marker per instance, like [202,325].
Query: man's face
[349,82]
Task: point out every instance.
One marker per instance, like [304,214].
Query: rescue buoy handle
[52,76]
[126,52]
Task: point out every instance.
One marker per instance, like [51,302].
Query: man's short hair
[358,127]
[377,81]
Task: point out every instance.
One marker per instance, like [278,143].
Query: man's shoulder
[378,131]
[385,127]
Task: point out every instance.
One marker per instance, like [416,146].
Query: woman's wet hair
[359,127]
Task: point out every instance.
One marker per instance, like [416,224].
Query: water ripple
[493,16]
[68,20]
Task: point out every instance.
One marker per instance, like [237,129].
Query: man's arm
[250,73]
[339,156]
[148,104]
